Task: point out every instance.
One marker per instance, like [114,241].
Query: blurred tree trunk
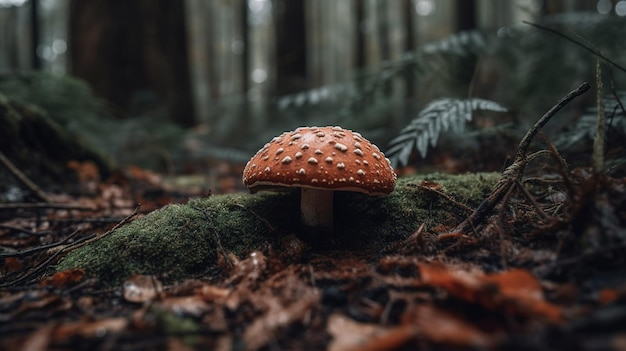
[465,15]
[133,53]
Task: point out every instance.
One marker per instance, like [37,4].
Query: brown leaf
[443,327]
[142,288]
[90,329]
[351,335]
[12,264]
[516,291]
[64,278]
[39,340]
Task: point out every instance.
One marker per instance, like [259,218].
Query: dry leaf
[443,327]
[516,291]
[350,335]
[142,288]
[90,329]
[64,278]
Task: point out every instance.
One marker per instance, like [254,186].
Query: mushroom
[320,160]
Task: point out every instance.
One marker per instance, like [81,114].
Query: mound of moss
[181,241]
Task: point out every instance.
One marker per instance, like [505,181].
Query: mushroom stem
[316,207]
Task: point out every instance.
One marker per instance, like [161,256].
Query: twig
[74,246]
[582,45]
[40,194]
[38,205]
[38,248]
[58,248]
[512,175]
[443,195]
[597,157]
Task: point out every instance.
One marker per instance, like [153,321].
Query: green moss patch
[180,241]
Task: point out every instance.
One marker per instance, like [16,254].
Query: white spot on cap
[376,156]
[318,152]
[296,136]
[312,160]
[358,152]
[329,159]
[365,162]
[253,165]
[314,180]
[341,165]
[376,181]
[265,158]
[357,145]
[286,160]
[301,171]
[305,146]
[357,162]
[267,170]
[279,151]
[298,154]
[341,147]
[360,172]
[321,134]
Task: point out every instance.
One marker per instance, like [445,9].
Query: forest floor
[540,266]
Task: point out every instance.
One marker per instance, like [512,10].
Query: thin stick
[37,205]
[522,149]
[513,173]
[593,51]
[23,178]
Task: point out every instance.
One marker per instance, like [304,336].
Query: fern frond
[438,116]
[420,60]
[584,129]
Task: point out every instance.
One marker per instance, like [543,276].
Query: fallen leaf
[12,264]
[516,291]
[64,278]
[351,335]
[190,305]
[90,329]
[443,327]
[39,340]
[142,288]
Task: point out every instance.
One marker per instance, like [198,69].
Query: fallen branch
[512,175]
[40,194]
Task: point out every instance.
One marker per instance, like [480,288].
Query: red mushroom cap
[321,158]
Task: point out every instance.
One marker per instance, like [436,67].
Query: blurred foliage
[438,116]
[71,104]
[520,67]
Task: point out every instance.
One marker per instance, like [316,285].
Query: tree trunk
[133,53]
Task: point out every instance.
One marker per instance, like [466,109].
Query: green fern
[422,60]
[584,129]
[438,116]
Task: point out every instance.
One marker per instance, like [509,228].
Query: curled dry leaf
[64,278]
[262,329]
[142,288]
[443,327]
[90,329]
[515,291]
[188,305]
[348,335]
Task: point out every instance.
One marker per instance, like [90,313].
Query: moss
[180,240]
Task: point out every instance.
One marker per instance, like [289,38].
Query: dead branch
[39,193]
[512,175]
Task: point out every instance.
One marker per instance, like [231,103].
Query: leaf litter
[520,280]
